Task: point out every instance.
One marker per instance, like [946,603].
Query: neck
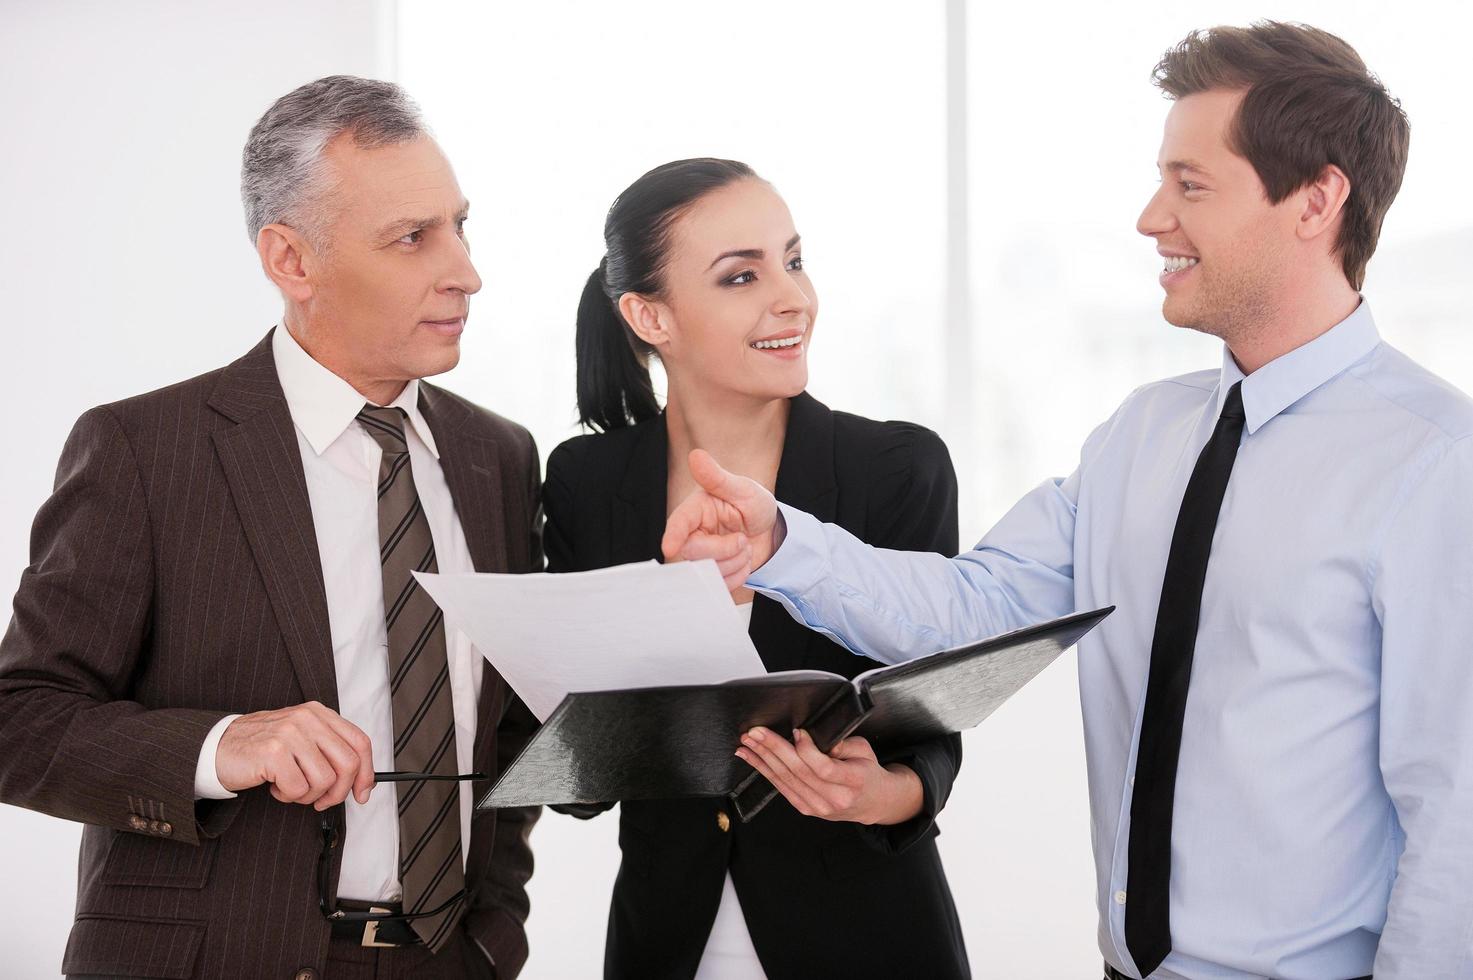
[1302,315]
[744,434]
[320,343]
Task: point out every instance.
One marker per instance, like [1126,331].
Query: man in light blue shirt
[1321,824]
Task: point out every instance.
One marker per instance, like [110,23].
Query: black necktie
[1148,882]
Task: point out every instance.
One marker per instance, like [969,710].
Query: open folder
[668,742]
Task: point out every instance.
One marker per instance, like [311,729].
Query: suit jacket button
[137,822]
[723,821]
[306,973]
[165,828]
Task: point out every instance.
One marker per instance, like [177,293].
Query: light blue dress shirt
[1324,798]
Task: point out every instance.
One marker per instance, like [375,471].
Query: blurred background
[966,178]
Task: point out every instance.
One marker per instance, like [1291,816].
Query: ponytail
[614,387]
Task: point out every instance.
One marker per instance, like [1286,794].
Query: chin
[787,388]
[1179,314]
[437,362]
[795,384]
[1194,320]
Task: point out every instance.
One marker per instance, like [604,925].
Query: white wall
[125,264]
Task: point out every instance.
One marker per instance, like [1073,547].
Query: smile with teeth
[778,344]
[1176,263]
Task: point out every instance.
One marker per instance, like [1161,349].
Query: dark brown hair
[1309,101]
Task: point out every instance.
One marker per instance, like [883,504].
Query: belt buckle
[370,929]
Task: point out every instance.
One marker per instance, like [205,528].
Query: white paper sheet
[639,625]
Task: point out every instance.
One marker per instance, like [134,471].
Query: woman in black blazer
[703,269]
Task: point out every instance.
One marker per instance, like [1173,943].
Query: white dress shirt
[1323,821]
[341,463]
[729,953]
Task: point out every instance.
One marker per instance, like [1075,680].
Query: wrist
[776,538]
[905,795]
[208,784]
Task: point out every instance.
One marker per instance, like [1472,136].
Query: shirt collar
[1288,378]
[323,405]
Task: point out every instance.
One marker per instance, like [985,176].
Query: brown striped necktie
[430,868]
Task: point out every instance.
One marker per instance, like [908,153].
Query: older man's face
[395,283]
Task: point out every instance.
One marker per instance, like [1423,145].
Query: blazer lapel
[263,468]
[472,468]
[805,480]
[805,475]
[638,520]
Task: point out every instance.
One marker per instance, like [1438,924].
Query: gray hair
[283,177]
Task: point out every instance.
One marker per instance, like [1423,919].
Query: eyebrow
[1177,166]
[397,229]
[750,253]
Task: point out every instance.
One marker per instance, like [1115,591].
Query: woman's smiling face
[737,309]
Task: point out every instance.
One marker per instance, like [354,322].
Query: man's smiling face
[1225,249]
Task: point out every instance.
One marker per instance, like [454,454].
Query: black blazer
[820,898]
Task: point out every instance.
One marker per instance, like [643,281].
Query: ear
[287,260]
[648,318]
[1324,199]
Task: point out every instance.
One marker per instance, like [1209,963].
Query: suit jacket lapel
[805,480]
[472,468]
[263,468]
[638,520]
[805,476]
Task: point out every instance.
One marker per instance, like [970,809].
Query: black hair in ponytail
[614,388]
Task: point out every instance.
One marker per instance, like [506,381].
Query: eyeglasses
[329,905]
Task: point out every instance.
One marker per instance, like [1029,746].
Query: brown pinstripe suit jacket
[174,579]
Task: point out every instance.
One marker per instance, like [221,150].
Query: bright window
[549,110]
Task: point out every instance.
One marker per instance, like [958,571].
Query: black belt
[375,932]
[1113,974]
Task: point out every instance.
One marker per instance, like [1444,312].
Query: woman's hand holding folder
[847,783]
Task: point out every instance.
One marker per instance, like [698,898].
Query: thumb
[852,748]
[715,480]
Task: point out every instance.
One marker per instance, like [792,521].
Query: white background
[126,266]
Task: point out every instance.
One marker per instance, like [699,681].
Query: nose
[791,298]
[1157,218]
[459,274]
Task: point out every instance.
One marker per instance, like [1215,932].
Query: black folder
[667,742]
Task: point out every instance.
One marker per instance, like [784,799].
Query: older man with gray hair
[219,660]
